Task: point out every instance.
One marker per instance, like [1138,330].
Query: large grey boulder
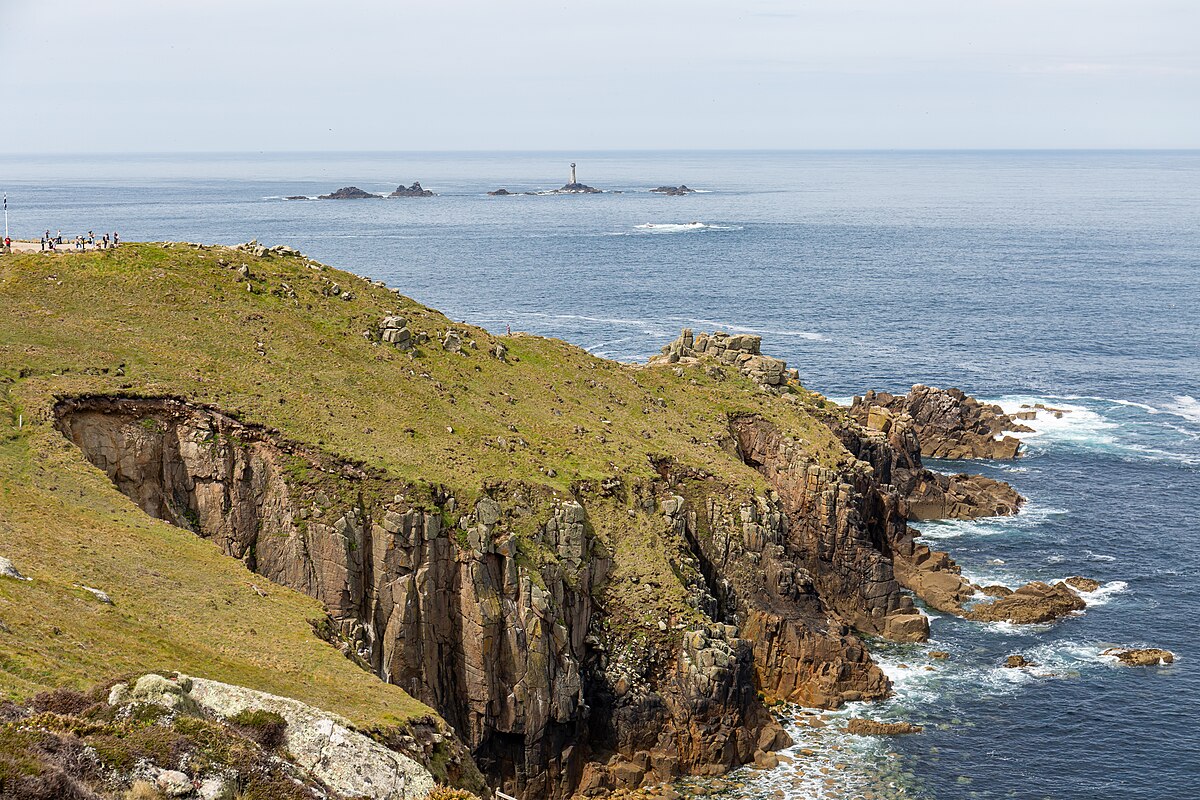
[9,570]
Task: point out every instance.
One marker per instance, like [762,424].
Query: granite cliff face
[948,423]
[486,610]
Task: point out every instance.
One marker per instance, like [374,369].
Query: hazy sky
[169,75]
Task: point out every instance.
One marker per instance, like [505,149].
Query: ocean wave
[1031,516]
[683,227]
[734,328]
[1104,594]
[1089,428]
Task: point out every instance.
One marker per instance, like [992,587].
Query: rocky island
[411,191]
[673,191]
[345,193]
[315,507]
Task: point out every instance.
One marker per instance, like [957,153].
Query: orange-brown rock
[1032,603]
[869,727]
[1017,660]
[1144,657]
[1082,584]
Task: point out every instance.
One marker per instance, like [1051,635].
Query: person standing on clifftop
[116,238]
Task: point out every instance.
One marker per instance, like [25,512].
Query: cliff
[592,572]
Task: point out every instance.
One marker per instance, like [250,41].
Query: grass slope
[282,348]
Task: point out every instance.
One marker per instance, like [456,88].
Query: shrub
[265,727]
[62,701]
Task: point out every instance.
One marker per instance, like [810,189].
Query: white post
[6,215]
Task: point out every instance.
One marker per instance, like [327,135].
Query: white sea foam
[734,328]
[1185,406]
[683,227]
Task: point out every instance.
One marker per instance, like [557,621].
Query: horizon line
[288,151]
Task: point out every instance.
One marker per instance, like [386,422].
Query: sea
[1070,279]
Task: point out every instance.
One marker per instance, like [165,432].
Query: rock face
[1148,657]
[673,191]
[869,727]
[349,193]
[930,495]
[741,351]
[1035,602]
[512,654]
[411,191]
[845,530]
[947,422]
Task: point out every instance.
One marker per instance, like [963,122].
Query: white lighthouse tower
[573,181]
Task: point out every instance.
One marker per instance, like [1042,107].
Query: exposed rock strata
[512,653]
[889,441]
[947,422]
[742,351]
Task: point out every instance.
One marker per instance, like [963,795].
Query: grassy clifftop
[292,345]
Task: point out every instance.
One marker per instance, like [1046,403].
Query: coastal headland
[512,563]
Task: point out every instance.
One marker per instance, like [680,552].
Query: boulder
[1082,584]
[452,341]
[1016,661]
[1032,603]
[348,762]
[9,570]
[1141,657]
[348,193]
[869,727]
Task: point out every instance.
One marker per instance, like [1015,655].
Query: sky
[250,75]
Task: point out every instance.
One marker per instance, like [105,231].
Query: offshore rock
[1147,657]
[411,191]
[1032,603]
[948,423]
[673,191]
[348,193]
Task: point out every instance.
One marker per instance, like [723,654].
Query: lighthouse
[572,181]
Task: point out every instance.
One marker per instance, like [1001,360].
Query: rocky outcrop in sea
[348,193]
[411,191]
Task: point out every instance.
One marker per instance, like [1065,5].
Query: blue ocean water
[1068,278]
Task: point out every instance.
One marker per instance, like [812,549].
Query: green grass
[147,320]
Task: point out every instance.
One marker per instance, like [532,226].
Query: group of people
[81,243]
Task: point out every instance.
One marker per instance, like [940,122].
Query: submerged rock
[1016,661]
[869,727]
[1141,657]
